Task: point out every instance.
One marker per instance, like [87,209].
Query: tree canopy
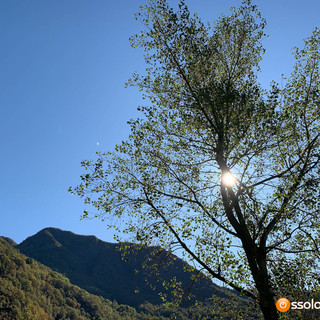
[206,116]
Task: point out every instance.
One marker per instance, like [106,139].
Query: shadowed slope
[99,268]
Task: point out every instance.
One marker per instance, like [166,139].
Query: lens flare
[228,179]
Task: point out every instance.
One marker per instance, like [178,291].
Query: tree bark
[258,265]
[267,305]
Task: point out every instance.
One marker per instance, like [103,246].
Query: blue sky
[63,65]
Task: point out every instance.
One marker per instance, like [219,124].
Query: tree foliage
[207,115]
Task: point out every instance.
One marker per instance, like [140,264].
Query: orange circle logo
[283,305]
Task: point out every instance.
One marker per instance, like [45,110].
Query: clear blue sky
[63,68]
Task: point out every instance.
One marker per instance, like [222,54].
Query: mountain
[99,267]
[32,291]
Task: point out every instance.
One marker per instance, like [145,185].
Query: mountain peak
[45,239]
[99,267]
[64,235]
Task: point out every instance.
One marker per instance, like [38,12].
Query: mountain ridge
[98,267]
[70,252]
[30,290]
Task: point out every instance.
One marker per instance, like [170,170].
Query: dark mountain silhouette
[99,267]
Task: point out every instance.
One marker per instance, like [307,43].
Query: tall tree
[218,166]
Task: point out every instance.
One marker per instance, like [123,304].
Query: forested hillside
[32,291]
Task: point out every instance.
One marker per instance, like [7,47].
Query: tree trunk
[258,266]
[267,305]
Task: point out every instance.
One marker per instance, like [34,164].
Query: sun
[228,179]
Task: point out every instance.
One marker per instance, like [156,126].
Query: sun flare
[228,179]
